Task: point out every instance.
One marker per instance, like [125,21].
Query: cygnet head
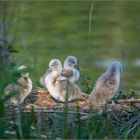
[71,61]
[116,68]
[55,65]
[23,70]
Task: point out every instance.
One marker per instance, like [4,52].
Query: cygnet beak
[76,67]
[49,69]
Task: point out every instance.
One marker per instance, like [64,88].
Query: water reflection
[106,63]
[137,62]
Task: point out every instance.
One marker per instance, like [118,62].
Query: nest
[41,98]
[42,102]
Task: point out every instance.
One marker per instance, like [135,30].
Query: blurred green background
[96,32]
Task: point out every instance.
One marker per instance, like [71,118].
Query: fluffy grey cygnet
[106,85]
[22,87]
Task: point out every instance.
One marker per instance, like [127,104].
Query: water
[97,32]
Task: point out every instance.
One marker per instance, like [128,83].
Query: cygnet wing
[67,73]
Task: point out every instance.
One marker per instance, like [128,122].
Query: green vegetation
[54,29]
[40,31]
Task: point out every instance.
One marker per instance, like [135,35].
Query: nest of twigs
[41,98]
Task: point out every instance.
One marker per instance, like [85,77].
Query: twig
[55,111]
[126,101]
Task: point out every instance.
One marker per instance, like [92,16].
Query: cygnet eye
[51,66]
[25,78]
[73,62]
